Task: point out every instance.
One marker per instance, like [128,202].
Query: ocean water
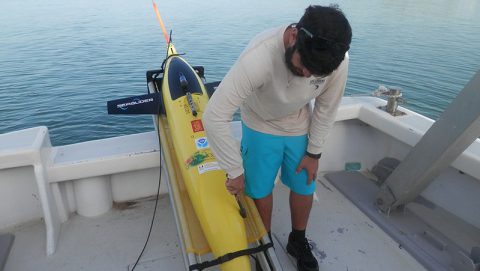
[60,61]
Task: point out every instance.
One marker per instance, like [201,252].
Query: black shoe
[302,251]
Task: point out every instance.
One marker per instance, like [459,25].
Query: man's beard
[288,60]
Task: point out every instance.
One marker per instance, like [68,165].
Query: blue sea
[60,61]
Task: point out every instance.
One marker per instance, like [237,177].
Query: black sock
[298,235]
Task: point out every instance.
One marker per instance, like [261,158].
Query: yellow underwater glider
[209,219]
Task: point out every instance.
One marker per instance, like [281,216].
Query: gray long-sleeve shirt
[271,100]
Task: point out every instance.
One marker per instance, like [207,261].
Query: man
[272,83]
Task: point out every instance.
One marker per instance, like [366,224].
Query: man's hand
[236,185]
[311,166]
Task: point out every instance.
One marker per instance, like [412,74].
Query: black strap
[230,256]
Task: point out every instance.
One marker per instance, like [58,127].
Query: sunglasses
[320,43]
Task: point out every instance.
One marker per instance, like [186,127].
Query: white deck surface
[343,239]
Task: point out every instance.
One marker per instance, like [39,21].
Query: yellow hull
[216,210]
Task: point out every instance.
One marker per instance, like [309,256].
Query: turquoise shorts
[264,154]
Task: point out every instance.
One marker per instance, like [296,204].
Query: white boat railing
[91,167]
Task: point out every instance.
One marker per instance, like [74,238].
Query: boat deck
[343,238]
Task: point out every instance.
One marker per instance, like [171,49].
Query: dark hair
[323,38]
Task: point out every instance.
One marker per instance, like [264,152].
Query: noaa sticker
[201,143]
[206,167]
